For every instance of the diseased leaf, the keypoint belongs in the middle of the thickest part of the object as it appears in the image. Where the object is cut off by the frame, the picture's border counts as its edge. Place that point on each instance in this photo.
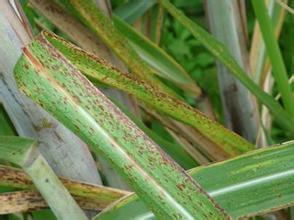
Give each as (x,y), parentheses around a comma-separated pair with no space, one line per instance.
(100,71)
(23,152)
(103,27)
(78,33)
(95,197)
(63,150)
(220,52)
(23,201)
(45,75)
(28,201)
(242,189)
(164,64)
(256,183)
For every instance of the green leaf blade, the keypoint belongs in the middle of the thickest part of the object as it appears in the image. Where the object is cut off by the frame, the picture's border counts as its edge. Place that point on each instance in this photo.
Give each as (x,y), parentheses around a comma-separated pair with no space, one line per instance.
(24,153)
(256,183)
(133,9)
(103,27)
(220,52)
(164,64)
(274,53)
(50,80)
(100,71)
(16,150)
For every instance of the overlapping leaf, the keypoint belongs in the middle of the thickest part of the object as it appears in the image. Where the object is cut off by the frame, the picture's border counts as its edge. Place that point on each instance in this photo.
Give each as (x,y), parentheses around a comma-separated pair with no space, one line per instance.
(133,9)
(45,75)
(103,27)
(101,71)
(23,152)
(157,58)
(256,183)
(96,196)
(220,52)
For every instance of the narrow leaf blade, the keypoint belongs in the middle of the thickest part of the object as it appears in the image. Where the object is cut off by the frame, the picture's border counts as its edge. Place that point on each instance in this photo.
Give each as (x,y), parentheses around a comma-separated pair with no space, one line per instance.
(164,64)
(100,71)
(24,153)
(43,74)
(220,52)
(255,183)
(133,9)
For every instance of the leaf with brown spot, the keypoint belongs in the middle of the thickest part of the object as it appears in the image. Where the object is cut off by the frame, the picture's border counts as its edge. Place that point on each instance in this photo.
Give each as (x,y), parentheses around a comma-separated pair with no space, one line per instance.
(96,120)
(98,70)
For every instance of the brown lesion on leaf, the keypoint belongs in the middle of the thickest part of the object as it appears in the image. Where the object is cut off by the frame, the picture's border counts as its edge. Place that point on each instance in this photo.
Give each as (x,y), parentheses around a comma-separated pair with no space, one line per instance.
(32,59)
(45,124)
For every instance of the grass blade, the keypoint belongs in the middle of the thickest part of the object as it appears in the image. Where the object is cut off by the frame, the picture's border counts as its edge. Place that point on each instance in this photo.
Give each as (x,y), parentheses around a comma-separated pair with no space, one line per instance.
(83,37)
(175,150)
(95,194)
(100,71)
(164,64)
(66,23)
(219,51)
(22,201)
(104,28)
(28,201)
(274,53)
(254,172)
(63,150)
(242,189)
(23,152)
(44,74)
(258,59)
(6,127)
(133,9)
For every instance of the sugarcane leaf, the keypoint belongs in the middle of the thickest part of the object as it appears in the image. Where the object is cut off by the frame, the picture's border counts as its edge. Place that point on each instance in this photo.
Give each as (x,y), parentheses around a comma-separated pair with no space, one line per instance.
(259,62)
(100,71)
(80,35)
(222,54)
(156,57)
(275,55)
(258,182)
(162,64)
(17,150)
(63,150)
(24,153)
(243,178)
(22,201)
(98,195)
(133,9)
(175,150)
(27,201)
(103,27)
(6,127)
(47,77)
